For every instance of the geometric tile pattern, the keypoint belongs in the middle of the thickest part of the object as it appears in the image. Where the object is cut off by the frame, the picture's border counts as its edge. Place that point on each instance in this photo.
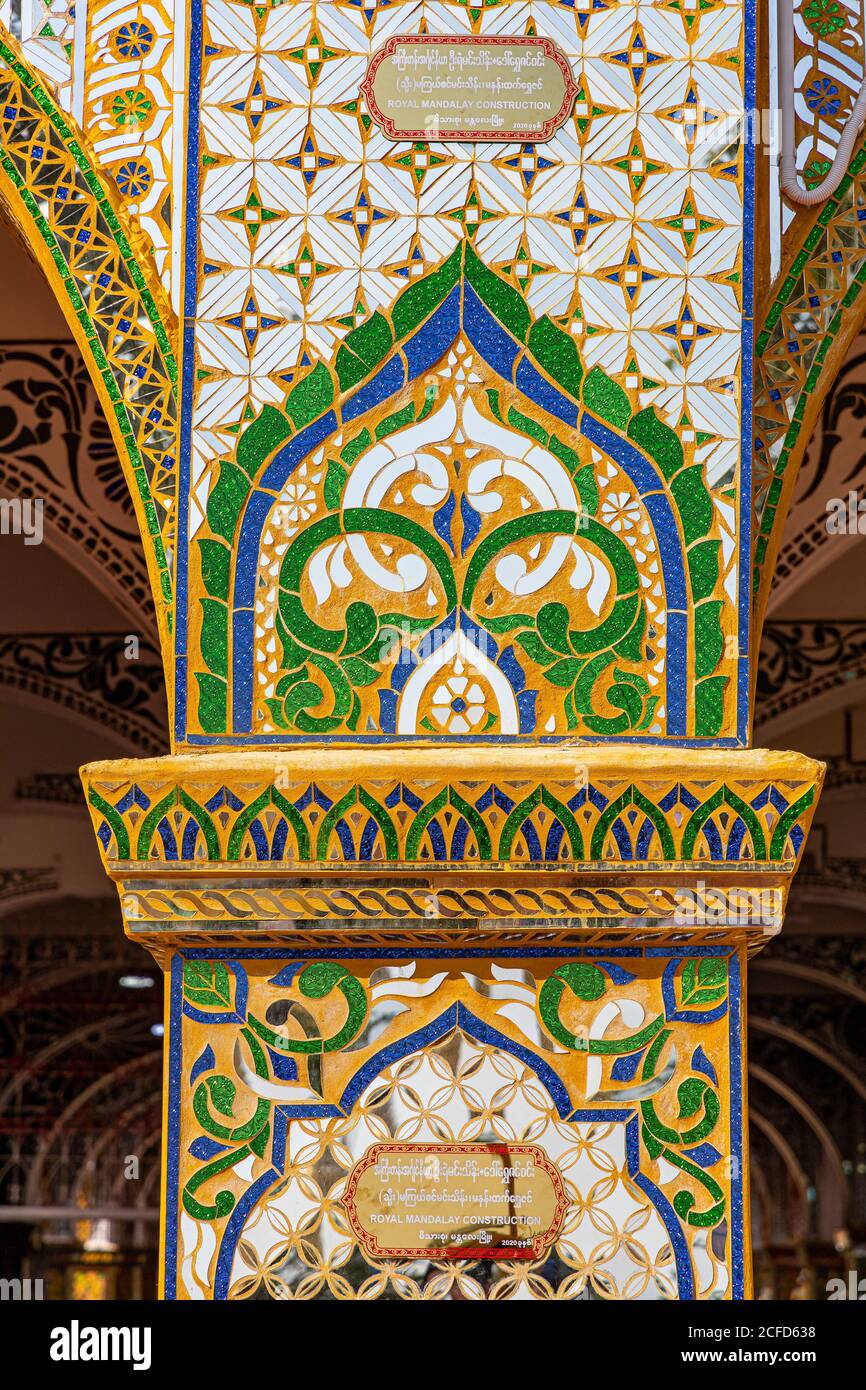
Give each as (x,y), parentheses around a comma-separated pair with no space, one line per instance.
(51,37)
(129,105)
(310,219)
(110,65)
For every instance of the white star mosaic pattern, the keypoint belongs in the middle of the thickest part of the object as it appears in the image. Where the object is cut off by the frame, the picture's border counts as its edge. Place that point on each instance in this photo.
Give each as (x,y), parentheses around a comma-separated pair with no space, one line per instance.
(627,224)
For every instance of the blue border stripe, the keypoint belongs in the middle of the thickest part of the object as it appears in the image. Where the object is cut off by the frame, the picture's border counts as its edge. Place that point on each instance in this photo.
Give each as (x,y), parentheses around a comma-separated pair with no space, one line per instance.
(736,1060)
(360,739)
(445,952)
(233,1228)
(750,21)
(679,1244)
(175,1072)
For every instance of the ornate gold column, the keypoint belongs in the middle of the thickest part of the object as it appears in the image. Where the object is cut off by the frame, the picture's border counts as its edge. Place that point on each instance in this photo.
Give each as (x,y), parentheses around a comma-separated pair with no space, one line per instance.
(427,349)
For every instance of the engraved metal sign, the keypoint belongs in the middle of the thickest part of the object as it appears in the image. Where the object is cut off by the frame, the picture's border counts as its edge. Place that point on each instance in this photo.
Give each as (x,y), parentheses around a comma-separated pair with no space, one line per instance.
(455,1201)
(462,88)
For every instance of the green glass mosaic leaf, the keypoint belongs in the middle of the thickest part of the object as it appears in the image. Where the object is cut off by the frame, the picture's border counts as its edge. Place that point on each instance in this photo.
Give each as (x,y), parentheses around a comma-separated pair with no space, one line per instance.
(553,626)
(226,500)
(587,488)
(216,561)
(398,421)
(556,351)
(361,626)
(564,672)
(658,440)
(362,350)
(311,397)
(535,648)
(335,481)
(526,425)
(704,568)
(709,637)
(207,983)
(690,1093)
(694,503)
(214,635)
(356,446)
(261,438)
(710,706)
(222,1094)
(607,399)
(212,703)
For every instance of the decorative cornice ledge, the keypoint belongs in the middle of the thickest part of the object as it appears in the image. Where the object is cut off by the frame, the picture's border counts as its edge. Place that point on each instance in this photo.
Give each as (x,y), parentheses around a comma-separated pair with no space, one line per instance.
(229,845)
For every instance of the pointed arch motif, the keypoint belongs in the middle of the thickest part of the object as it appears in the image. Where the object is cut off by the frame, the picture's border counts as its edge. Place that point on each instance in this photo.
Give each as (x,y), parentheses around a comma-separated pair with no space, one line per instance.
(461,647)
(427,822)
(379,824)
(611,820)
(374,389)
(251,817)
(564,823)
(457,1016)
(747,822)
(198,825)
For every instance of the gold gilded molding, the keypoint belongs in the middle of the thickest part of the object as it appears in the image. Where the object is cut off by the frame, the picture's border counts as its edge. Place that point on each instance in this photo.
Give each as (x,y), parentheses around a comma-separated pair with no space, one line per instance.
(232,846)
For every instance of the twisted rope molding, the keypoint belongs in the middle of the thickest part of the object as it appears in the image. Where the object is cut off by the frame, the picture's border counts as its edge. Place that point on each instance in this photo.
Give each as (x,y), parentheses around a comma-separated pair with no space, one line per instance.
(287,903)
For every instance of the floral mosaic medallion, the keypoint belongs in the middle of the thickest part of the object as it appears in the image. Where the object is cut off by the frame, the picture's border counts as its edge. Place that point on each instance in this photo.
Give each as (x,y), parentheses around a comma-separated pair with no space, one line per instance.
(620,1075)
(460,531)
